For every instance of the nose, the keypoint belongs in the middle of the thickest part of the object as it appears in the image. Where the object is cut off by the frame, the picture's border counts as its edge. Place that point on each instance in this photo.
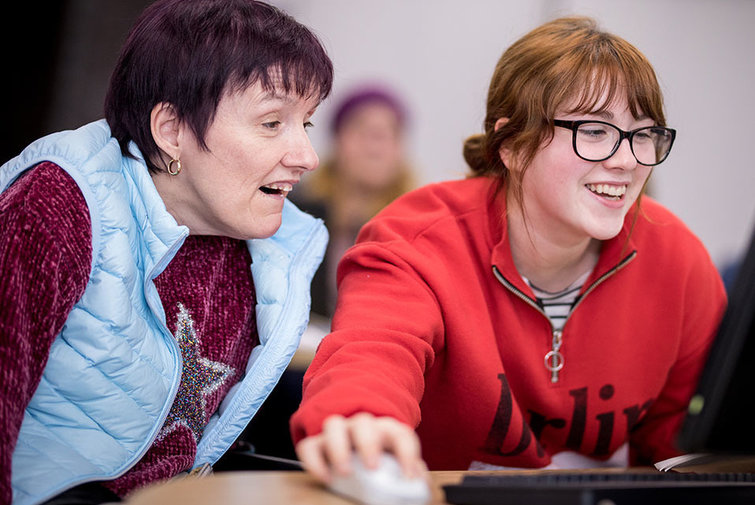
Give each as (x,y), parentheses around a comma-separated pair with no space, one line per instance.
(623,158)
(301,154)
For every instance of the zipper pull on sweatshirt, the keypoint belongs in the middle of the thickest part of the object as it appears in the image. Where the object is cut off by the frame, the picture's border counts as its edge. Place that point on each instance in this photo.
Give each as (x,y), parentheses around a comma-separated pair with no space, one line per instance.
(554,360)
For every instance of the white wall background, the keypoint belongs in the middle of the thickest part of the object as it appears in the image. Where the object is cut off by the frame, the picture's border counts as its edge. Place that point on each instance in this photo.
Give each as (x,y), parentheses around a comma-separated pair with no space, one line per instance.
(440,55)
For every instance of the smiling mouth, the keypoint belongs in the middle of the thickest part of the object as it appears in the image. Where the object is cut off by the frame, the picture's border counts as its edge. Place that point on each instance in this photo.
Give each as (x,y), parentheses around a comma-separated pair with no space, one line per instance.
(609,191)
(281,189)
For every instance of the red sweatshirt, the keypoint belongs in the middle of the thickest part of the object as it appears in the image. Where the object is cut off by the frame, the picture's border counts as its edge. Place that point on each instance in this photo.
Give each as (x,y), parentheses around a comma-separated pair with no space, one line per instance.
(435,327)
(45,257)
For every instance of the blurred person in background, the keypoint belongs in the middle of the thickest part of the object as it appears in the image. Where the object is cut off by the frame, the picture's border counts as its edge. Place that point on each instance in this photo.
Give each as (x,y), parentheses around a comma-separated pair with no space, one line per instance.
(366,169)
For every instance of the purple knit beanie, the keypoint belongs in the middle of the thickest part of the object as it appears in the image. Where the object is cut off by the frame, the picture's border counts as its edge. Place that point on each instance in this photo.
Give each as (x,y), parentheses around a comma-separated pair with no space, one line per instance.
(363,95)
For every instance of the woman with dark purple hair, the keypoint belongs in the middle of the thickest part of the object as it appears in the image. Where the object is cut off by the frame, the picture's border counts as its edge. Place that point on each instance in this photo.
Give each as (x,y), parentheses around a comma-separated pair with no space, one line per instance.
(155,280)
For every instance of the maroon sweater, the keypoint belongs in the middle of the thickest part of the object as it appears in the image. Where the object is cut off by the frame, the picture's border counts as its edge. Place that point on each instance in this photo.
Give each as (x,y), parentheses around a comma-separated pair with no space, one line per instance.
(45,258)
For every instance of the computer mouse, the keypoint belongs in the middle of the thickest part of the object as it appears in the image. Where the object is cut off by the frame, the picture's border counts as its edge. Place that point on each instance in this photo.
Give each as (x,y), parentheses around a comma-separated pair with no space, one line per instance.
(384,485)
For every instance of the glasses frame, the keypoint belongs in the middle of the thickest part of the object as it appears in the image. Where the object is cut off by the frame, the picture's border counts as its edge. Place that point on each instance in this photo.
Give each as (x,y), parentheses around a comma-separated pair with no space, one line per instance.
(574,125)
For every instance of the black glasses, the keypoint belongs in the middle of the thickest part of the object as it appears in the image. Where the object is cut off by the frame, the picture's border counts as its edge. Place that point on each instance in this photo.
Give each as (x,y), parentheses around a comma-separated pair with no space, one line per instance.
(598,141)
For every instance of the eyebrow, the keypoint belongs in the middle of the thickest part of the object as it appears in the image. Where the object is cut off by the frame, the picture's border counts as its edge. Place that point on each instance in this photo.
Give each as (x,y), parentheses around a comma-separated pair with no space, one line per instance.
(273,96)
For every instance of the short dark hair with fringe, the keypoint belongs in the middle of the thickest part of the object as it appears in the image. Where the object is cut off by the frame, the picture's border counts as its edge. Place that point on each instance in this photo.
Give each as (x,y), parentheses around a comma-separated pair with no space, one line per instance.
(188,53)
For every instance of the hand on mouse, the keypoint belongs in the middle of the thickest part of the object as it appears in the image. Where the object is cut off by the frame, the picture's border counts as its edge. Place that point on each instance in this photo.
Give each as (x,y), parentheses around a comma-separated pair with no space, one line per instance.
(369,436)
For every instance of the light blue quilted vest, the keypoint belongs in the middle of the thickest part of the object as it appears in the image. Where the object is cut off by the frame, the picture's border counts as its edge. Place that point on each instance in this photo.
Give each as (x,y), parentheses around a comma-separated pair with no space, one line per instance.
(115,345)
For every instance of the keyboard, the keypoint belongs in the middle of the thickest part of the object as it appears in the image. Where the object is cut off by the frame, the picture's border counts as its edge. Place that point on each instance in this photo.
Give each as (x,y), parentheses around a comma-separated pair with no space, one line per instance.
(603,488)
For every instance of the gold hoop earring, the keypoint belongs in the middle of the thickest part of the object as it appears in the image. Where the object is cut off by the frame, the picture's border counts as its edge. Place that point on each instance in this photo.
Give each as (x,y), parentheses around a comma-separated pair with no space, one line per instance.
(174,167)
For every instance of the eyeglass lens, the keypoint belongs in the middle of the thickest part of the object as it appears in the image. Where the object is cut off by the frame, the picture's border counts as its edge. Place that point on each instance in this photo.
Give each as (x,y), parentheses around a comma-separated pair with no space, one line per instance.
(598,141)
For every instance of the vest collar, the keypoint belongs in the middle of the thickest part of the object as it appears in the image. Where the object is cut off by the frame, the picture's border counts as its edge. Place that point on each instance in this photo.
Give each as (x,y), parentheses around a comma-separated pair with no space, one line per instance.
(163,236)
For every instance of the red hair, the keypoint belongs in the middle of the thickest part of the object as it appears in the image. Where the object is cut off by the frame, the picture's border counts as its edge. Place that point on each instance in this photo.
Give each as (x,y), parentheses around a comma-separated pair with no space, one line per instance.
(568,61)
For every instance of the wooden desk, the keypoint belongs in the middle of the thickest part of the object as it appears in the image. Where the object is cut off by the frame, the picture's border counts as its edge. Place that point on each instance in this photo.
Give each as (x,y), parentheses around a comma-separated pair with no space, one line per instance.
(269,488)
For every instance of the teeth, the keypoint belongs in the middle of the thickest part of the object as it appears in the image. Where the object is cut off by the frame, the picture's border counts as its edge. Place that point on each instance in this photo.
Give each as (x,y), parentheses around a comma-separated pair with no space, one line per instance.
(282,187)
(608,189)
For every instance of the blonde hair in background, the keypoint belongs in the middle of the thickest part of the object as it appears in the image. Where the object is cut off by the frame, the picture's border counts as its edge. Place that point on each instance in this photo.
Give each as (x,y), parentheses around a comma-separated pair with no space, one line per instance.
(323,184)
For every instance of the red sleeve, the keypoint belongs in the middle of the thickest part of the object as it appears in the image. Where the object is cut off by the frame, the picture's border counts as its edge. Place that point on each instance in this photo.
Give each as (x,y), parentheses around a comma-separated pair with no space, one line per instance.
(375,358)
(45,259)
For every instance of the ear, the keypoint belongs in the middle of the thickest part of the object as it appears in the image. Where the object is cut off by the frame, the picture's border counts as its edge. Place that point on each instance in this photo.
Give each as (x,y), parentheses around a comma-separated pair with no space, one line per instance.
(165,126)
(504,152)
